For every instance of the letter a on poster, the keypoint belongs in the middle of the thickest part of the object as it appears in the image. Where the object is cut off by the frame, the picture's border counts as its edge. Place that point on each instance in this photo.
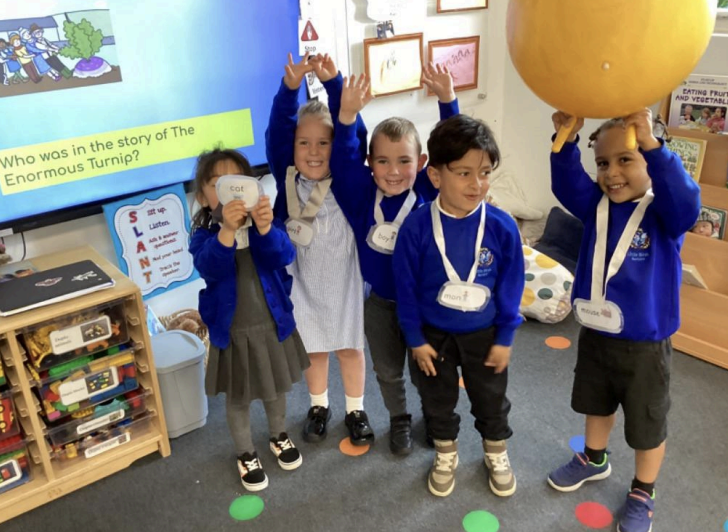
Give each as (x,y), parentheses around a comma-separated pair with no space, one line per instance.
(151,235)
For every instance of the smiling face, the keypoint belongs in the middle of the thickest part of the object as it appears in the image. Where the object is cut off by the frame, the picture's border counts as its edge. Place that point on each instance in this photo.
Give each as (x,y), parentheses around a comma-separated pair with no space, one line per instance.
(395,164)
(621,173)
(464,183)
(312,149)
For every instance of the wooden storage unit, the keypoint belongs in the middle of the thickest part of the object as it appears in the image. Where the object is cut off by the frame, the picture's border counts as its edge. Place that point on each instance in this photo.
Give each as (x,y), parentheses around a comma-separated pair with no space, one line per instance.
(53,478)
(704,313)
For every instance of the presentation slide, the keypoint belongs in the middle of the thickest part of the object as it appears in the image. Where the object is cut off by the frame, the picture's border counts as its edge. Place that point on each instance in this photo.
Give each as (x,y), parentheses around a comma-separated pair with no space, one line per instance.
(102,98)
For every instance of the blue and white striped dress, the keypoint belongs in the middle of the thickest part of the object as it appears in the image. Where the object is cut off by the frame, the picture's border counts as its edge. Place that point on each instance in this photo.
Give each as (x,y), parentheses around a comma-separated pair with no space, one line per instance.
(328,289)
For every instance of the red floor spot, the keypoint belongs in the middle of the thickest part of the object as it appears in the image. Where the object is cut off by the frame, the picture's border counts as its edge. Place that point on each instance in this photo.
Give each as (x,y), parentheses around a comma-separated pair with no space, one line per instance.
(461,382)
(348,449)
(594,515)
(558,342)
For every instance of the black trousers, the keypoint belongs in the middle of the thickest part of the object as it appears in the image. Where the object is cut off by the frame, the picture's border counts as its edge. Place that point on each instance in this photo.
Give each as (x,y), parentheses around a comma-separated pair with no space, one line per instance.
(486,389)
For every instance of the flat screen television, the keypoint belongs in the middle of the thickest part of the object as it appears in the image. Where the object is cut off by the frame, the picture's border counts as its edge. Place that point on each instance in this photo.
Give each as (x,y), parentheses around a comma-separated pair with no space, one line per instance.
(100,99)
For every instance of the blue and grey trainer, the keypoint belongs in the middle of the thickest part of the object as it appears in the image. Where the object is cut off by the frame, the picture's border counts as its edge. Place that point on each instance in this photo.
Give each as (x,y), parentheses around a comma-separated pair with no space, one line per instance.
(637,512)
(570,476)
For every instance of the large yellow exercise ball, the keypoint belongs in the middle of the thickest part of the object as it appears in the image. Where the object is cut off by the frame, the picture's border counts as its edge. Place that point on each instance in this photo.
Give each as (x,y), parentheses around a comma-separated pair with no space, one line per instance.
(607,58)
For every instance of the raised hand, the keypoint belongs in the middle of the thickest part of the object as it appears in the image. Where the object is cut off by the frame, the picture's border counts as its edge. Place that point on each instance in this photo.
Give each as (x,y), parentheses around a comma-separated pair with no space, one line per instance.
(439,80)
(354,97)
(642,122)
(424,355)
(561,119)
(262,215)
(324,67)
(296,71)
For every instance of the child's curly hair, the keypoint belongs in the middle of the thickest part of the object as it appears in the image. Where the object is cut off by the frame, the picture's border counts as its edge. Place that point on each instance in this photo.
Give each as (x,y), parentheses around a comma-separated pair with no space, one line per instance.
(614,122)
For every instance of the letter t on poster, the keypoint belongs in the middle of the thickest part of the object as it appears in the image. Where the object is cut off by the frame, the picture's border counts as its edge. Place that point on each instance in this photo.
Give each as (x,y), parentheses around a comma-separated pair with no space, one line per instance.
(151,236)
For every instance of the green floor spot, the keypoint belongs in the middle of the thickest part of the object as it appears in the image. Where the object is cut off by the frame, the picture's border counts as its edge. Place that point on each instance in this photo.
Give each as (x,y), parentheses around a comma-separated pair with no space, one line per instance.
(480,521)
(246,507)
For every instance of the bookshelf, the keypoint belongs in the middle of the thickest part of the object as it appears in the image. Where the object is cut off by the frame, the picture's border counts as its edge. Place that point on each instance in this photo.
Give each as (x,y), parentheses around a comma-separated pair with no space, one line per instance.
(704,313)
(50,477)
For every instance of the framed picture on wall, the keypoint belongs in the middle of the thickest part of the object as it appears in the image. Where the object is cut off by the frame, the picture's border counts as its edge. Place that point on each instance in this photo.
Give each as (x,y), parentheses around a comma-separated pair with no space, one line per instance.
(460,56)
(447,6)
(691,152)
(394,65)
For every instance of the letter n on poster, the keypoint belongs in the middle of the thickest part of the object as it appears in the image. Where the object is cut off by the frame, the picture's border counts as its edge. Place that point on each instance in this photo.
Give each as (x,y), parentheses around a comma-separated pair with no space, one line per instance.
(151,237)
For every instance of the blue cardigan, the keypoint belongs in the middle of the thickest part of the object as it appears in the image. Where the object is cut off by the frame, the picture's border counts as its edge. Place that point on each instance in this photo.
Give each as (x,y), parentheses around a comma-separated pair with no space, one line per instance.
(216,265)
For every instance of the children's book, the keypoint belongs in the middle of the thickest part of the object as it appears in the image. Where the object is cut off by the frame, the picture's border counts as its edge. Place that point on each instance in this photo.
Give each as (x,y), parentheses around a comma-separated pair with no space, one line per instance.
(711,222)
(51,286)
(700,102)
(691,276)
(691,152)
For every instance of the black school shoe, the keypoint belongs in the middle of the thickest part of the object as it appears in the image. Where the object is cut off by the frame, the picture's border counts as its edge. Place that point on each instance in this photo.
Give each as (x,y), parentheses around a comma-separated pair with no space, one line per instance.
(314,430)
(400,434)
(360,433)
(251,472)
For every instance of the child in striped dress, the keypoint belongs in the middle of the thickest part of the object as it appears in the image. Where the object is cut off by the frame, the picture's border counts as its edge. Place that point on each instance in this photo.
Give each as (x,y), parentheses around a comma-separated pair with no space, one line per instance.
(328,293)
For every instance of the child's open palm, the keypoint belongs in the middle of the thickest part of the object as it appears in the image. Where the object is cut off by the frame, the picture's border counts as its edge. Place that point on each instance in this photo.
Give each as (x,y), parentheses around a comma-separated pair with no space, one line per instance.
(354,97)
(324,67)
(296,71)
(424,355)
(262,215)
(439,80)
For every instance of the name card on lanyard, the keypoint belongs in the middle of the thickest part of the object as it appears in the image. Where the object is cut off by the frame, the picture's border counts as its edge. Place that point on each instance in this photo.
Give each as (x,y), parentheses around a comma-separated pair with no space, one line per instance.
(457,294)
(383,236)
(598,313)
(299,226)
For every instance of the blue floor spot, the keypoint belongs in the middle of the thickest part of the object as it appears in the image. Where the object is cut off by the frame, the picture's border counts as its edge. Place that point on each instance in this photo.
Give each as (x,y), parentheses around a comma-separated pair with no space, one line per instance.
(577,445)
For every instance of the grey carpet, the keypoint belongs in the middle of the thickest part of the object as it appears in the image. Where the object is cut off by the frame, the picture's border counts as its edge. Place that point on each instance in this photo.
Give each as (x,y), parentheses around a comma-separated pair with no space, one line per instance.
(193,488)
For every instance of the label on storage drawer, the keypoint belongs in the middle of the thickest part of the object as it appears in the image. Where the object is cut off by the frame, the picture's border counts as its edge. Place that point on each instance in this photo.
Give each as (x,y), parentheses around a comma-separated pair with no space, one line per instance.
(9,473)
(100,422)
(81,389)
(80,335)
(107,445)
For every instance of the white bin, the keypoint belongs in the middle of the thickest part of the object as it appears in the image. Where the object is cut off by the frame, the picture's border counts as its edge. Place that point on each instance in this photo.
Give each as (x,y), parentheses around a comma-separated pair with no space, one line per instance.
(179,357)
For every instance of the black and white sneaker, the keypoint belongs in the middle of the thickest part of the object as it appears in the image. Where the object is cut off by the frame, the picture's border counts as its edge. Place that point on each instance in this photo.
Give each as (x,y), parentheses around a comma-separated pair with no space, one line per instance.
(289,457)
(251,472)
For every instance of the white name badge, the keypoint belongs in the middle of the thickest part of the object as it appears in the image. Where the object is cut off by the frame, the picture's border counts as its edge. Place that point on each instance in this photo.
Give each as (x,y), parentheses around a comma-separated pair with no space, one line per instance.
(382,237)
(468,297)
(238,187)
(599,315)
(300,232)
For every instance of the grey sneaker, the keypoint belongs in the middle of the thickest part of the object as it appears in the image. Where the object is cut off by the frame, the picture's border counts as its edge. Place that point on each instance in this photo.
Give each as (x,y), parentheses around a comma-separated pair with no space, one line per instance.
(502,480)
(441,480)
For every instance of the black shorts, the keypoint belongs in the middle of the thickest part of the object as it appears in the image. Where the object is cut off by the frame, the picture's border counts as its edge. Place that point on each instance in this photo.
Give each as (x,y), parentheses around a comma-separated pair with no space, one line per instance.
(611,372)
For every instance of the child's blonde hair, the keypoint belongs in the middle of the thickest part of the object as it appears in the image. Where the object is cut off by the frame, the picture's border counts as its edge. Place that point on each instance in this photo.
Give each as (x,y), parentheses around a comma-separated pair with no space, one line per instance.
(395,129)
(316,109)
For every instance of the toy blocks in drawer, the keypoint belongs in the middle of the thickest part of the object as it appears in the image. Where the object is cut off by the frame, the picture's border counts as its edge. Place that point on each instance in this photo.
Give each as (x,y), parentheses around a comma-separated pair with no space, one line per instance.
(89,384)
(100,442)
(86,332)
(99,417)
(9,425)
(14,466)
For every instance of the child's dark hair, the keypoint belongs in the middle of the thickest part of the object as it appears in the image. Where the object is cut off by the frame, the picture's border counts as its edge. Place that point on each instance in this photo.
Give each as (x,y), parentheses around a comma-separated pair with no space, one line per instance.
(615,122)
(203,173)
(453,138)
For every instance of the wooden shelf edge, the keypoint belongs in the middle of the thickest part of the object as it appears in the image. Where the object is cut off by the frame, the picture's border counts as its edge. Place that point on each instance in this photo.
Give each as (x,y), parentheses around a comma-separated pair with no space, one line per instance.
(39,491)
(700,349)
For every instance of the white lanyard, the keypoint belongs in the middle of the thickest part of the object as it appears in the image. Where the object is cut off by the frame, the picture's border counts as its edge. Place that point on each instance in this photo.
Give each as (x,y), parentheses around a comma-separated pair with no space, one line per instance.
(599,290)
(440,241)
(403,211)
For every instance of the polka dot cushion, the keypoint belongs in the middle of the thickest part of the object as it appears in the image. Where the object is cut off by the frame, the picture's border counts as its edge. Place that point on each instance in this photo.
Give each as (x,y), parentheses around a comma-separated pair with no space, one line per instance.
(547,296)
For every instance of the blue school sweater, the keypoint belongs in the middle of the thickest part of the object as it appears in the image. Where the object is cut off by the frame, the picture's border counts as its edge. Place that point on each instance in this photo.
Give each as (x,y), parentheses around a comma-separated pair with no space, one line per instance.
(215,262)
(355,192)
(419,274)
(281,133)
(647,286)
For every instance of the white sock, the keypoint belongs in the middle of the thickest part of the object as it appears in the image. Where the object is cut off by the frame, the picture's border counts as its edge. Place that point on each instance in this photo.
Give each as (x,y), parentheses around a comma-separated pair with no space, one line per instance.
(354,403)
(321,399)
